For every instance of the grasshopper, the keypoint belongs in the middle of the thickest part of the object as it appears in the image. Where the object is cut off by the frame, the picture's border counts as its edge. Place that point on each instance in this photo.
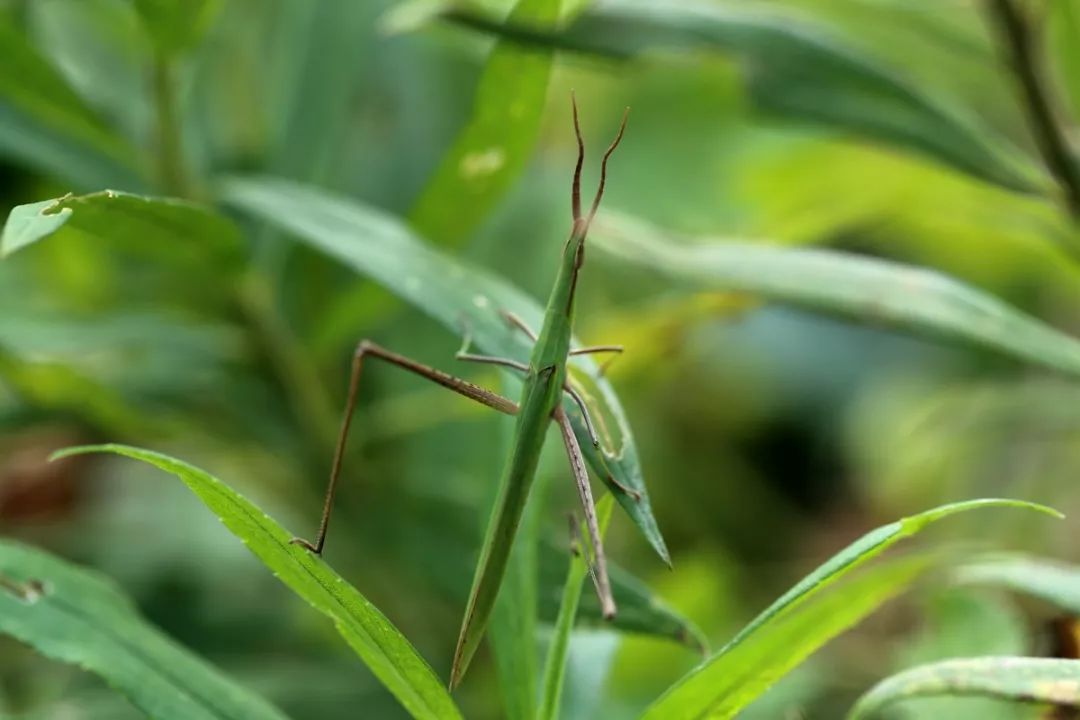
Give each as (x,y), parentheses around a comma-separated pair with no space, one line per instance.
(545,384)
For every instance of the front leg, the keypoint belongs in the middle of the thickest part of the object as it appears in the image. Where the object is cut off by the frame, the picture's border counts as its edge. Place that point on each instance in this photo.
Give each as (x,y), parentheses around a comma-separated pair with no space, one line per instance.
(365,348)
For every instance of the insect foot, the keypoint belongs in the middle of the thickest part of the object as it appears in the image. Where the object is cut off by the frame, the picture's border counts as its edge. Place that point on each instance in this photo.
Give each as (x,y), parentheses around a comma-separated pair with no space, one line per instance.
(306,545)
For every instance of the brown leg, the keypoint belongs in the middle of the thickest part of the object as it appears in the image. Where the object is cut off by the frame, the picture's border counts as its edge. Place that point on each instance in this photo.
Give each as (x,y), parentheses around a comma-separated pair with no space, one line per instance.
(590,350)
(615,351)
(365,348)
(522,367)
(598,566)
(520,324)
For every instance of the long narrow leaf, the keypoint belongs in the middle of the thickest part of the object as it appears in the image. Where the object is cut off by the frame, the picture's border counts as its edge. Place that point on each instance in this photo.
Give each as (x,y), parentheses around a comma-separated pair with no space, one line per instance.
(176,25)
(498,140)
(727,682)
(863,288)
(1056,583)
(1046,681)
(794,68)
(555,667)
(389,655)
(640,609)
(45,124)
(176,228)
(738,676)
(442,522)
(512,632)
(453,293)
(76,616)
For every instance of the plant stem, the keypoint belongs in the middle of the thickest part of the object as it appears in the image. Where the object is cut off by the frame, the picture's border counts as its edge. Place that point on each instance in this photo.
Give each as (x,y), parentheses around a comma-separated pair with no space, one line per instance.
(298,377)
(1016,38)
(170,153)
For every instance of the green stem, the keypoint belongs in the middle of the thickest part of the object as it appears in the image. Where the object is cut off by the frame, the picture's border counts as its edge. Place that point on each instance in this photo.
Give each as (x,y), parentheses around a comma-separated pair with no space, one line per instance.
(555,666)
(299,378)
(170,152)
(1018,41)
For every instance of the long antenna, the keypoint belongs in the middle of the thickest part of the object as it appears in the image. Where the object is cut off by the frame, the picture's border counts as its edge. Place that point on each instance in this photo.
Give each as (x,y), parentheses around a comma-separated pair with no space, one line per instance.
(575,193)
(603,163)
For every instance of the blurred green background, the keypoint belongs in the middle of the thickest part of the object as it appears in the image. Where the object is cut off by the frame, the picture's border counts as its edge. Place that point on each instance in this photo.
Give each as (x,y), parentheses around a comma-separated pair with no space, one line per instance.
(770,436)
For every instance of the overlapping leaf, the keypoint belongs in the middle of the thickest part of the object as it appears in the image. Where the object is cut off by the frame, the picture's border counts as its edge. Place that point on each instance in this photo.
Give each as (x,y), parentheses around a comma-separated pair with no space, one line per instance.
(46,125)
(1045,681)
(177,228)
(176,25)
(555,667)
(863,288)
(797,624)
(491,150)
(793,68)
(389,655)
(1054,582)
(455,294)
(76,616)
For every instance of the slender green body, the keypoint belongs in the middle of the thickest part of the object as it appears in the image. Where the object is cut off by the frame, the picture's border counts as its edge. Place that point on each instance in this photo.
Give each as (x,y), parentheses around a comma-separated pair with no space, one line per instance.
(542,393)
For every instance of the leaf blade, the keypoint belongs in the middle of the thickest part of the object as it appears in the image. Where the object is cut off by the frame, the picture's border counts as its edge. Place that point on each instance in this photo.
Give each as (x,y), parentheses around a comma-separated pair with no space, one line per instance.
(372,636)
(175,25)
(1019,679)
(750,668)
(46,125)
(498,139)
(701,691)
(111,215)
(81,618)
(795,69)
(558,652)
(848,285)
(1056,583)
(450,291)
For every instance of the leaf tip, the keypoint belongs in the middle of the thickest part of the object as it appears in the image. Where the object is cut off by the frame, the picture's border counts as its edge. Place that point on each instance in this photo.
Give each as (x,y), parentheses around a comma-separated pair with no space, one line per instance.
(79,450)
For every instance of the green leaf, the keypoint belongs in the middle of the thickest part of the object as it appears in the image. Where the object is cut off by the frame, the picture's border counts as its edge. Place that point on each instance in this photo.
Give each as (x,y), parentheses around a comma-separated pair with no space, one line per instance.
(1056,583)
(181,228)
(494,146)
(176,25)
(640,609)
(730,681)
(76,616)
(786,632)
(1048,681)
(555,667)
(512,631)
(795,69)
(954,622)
(45,124)
(453,293)
(442,521)
(1062,23)
(389,655)
(866,289)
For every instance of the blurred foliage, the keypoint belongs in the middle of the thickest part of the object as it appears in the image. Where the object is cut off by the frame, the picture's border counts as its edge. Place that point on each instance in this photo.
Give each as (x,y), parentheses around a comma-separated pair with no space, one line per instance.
(769,435)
